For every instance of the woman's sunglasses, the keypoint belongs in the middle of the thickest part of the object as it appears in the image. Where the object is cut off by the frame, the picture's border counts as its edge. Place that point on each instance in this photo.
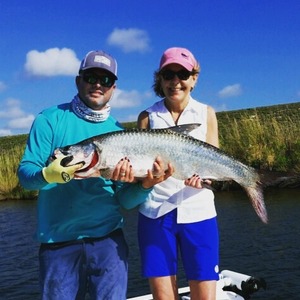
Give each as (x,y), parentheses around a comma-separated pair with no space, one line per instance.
(169,74)
(103,80)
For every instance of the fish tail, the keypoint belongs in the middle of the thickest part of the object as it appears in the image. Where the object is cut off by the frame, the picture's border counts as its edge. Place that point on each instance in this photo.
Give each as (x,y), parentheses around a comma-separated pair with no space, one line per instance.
(255,194)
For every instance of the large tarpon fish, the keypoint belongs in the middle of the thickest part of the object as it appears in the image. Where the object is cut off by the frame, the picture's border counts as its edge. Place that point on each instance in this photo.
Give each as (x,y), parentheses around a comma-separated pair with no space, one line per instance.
(188,156)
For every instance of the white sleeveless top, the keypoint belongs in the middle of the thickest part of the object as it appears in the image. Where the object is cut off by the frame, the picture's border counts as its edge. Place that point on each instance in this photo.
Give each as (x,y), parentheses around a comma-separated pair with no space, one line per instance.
(193,205)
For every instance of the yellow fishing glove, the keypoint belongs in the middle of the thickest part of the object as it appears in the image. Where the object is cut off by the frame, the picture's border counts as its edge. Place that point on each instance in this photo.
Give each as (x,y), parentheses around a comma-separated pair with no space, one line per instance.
(56,173)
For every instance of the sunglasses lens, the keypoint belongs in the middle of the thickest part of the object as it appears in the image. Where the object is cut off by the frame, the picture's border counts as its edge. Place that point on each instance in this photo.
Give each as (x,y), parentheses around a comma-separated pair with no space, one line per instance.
(183,74)
(89,79)
(169,75)
(104,80)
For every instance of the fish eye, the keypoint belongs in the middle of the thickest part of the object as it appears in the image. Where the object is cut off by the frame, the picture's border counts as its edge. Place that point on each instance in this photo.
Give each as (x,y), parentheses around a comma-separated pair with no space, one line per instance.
(65,151)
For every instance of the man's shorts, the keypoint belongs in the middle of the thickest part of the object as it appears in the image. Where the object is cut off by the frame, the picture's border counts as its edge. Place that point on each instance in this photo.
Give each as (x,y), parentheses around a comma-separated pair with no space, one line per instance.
(94,266)
(159,240)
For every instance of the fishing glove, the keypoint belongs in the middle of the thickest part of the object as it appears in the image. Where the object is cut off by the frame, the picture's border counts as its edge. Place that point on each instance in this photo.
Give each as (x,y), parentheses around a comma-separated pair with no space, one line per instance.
(57,173)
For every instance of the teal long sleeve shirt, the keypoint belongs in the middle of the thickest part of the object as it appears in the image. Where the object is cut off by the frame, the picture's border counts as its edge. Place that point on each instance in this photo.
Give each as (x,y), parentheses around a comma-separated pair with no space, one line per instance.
(80,208)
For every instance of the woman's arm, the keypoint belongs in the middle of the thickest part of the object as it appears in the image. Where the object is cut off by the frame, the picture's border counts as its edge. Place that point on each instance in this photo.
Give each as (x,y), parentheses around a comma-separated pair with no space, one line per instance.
(212,134)
(143,120)
(212,137)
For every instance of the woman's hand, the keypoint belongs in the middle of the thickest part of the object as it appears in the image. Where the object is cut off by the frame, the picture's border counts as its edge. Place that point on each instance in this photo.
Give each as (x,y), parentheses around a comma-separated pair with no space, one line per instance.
(196,182)
(160,173)
(123,171)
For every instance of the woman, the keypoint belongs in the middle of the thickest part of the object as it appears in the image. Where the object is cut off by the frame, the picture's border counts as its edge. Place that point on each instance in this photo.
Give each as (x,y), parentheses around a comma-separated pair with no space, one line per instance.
(190,222)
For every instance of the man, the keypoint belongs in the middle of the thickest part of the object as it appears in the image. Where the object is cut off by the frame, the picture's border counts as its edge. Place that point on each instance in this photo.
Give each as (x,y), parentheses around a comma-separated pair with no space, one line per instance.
(83,250)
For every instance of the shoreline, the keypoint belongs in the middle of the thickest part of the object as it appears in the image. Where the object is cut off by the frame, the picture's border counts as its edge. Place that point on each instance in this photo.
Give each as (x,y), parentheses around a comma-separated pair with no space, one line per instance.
(277,179)
(269,179)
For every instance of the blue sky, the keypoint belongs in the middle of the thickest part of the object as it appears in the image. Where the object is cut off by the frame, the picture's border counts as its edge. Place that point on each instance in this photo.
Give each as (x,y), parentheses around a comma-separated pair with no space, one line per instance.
(249,52)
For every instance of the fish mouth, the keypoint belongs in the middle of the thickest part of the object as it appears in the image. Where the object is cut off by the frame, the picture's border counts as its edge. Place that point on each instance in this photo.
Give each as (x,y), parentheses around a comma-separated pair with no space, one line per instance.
(85,169)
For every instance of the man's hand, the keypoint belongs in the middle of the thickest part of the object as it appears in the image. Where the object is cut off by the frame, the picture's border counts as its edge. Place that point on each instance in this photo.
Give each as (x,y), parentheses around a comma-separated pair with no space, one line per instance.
(56,173)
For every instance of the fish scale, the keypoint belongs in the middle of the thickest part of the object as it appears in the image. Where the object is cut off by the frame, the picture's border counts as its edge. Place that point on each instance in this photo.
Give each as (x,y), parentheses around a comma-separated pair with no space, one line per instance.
(188,156)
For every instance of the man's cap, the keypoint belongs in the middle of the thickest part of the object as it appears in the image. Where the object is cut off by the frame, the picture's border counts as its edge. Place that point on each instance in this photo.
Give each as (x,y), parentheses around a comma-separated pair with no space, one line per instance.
(179,56)
(99,59)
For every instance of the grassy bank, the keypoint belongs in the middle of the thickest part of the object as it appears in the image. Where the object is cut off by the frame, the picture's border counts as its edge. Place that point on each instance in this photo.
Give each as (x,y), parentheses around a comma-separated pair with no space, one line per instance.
(9,161)
(266,138)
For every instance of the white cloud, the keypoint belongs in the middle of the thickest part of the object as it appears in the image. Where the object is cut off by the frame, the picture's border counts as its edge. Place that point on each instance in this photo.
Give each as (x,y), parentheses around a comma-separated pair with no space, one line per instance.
(2,86)
(221,107)
(129,118)
(230,91)
(52,62)
(11,109)
(125,99)
(21,123)
(5,132)
(130,40)
(16,118)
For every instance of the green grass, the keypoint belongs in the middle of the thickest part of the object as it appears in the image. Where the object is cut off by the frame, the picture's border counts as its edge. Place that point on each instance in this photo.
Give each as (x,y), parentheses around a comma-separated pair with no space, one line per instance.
(266,138)
(10,155)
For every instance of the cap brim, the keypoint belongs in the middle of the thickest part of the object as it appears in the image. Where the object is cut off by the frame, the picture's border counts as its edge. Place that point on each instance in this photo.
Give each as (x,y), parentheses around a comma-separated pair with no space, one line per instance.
(88,68)
(186,65)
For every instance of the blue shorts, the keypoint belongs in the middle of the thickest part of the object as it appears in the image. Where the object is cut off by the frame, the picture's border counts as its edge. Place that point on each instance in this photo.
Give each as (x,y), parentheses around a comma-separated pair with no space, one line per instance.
(160,239)
(97,267)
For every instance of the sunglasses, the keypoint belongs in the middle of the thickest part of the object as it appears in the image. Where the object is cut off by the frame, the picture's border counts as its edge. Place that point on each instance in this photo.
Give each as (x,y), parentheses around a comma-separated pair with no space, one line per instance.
(182,74)
(103,80)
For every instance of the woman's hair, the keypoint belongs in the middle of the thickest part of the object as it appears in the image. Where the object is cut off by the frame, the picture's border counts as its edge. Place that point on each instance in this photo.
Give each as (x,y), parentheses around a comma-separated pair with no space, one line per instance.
(157,81)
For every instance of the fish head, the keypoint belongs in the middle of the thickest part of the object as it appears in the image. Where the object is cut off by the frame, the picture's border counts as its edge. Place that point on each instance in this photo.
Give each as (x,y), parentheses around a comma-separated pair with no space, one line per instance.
(87,154)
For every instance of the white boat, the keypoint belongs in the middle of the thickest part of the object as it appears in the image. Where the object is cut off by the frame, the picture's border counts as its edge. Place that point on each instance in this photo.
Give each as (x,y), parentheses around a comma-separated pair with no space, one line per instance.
(230,286)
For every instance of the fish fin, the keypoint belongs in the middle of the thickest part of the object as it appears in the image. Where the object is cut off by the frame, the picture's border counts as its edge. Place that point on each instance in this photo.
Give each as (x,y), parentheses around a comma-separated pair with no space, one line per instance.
(255,194)
(208,186)
(185,128)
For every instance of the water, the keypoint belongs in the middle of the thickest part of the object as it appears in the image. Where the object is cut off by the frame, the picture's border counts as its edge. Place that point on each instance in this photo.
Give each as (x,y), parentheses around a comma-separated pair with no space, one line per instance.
(247,245)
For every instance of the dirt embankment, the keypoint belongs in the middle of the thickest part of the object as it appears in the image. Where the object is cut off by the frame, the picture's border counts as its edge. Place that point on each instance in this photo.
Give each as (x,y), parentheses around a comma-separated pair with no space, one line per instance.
(269,179)
(280,179)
